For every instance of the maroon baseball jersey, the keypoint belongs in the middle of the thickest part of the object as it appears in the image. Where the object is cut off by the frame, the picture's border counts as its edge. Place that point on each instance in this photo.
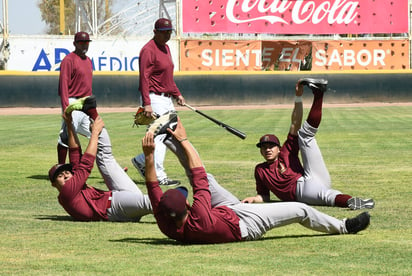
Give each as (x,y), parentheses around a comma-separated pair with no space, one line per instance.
(281,176)
(81,201)
(76,75)
(204,223)
(156,71)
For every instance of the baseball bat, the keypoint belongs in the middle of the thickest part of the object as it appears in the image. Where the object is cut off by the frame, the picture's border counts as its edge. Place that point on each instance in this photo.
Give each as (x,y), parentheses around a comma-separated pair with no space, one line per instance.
(232,130)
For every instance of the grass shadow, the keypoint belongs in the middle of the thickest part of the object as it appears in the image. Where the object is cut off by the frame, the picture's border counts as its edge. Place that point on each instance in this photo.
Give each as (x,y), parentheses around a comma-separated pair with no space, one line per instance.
(69,218)
(151,241)
(167,241)
(46,177)
(295,236)
(56,218)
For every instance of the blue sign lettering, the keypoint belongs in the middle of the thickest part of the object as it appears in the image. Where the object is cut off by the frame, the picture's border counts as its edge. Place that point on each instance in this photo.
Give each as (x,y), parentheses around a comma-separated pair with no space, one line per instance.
(101,59)
(104,63)
(42,62)
(57,56)
(118,61)
(131,64)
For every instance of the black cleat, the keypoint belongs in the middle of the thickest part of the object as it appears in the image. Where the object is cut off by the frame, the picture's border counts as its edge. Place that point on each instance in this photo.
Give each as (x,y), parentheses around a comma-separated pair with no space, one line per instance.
(89,103)
(358,223)
(315,84)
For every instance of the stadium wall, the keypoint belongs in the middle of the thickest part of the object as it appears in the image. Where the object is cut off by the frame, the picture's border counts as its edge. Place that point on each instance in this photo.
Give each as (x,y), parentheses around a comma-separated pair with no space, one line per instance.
(34,89)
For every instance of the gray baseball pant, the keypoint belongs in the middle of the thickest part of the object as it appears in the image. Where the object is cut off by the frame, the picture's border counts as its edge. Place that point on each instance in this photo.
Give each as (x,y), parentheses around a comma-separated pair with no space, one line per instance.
(314,187)
(257,219)
(160,105)
(128,201)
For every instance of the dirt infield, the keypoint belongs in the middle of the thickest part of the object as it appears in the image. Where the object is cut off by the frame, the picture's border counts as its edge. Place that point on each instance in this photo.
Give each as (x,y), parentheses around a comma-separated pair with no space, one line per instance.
(38,111)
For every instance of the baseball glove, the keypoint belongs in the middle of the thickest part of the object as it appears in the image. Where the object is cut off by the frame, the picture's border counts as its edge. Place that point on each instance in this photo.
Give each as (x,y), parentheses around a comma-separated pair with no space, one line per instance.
(141,119)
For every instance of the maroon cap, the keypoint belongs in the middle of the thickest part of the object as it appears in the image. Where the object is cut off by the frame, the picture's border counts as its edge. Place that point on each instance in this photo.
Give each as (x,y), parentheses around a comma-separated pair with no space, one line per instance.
(56,169)
(81,36)
(163,24)
(173,203)
(268,138)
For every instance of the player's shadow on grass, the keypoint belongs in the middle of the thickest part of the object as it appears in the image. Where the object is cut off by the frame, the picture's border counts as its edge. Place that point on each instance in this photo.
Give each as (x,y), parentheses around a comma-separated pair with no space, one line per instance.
(166,241)
(69,218)
(295,236)
(46,177)
(56,218)
(151,241)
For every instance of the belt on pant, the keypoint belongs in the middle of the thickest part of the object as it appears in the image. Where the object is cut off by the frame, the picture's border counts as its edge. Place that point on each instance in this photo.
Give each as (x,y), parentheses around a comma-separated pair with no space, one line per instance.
(167,95)
(109,202)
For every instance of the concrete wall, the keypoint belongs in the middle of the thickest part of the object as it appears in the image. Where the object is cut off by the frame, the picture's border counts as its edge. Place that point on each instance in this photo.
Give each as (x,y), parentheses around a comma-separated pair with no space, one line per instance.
(218,88)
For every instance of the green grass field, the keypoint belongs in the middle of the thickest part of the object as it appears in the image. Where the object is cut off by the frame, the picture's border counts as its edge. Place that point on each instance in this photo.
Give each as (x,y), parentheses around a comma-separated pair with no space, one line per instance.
(368,151)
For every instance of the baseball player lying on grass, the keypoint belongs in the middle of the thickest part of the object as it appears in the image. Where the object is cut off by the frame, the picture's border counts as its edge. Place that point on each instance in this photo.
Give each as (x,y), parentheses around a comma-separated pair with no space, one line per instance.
(124,201)
(283,174)
(217,216)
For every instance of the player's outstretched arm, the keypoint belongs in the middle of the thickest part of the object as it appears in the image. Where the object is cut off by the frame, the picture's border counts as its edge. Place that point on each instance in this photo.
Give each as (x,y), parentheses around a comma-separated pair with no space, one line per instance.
(96,128)
(73,139)
(180,134)
(148,147)
(297,113)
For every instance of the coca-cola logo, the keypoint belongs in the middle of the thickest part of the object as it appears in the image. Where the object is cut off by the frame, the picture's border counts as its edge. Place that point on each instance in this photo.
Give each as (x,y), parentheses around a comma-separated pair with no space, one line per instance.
(301,11)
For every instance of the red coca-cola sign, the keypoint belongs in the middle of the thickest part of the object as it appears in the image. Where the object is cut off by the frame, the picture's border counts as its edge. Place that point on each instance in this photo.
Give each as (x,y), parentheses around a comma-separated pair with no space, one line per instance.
(295,16)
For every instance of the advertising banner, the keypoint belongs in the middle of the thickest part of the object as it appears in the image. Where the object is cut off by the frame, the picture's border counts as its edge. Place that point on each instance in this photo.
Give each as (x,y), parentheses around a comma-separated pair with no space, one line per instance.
(364,55)
(107,54)
(295,16)
(198,55)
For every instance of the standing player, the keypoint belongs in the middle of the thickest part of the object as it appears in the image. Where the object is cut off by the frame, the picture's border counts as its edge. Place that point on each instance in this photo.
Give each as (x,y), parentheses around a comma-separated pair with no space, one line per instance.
(283,174)
(158,88)
(124,201)
(217,216)
(75,82)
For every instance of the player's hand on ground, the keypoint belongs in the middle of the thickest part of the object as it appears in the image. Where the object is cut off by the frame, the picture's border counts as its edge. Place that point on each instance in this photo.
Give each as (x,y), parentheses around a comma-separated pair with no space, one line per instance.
(148,144)
(253,199)
(97,125)
(299,89)
(180,132)
(180,100)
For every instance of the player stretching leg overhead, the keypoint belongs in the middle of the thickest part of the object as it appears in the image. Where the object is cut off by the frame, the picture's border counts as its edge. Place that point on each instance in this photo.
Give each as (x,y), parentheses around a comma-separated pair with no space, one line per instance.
(282,172)
(123,202)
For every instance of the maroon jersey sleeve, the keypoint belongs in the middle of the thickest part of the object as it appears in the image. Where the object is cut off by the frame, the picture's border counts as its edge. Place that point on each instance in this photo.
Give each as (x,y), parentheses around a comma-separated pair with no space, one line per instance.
(147,60)
(261,188)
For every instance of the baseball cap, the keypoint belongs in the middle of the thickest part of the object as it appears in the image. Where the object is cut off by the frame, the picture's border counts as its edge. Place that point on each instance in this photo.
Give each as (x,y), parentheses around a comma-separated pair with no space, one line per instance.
(81,36)
(56,169)
(268,138)
(173,202)
(163,24)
